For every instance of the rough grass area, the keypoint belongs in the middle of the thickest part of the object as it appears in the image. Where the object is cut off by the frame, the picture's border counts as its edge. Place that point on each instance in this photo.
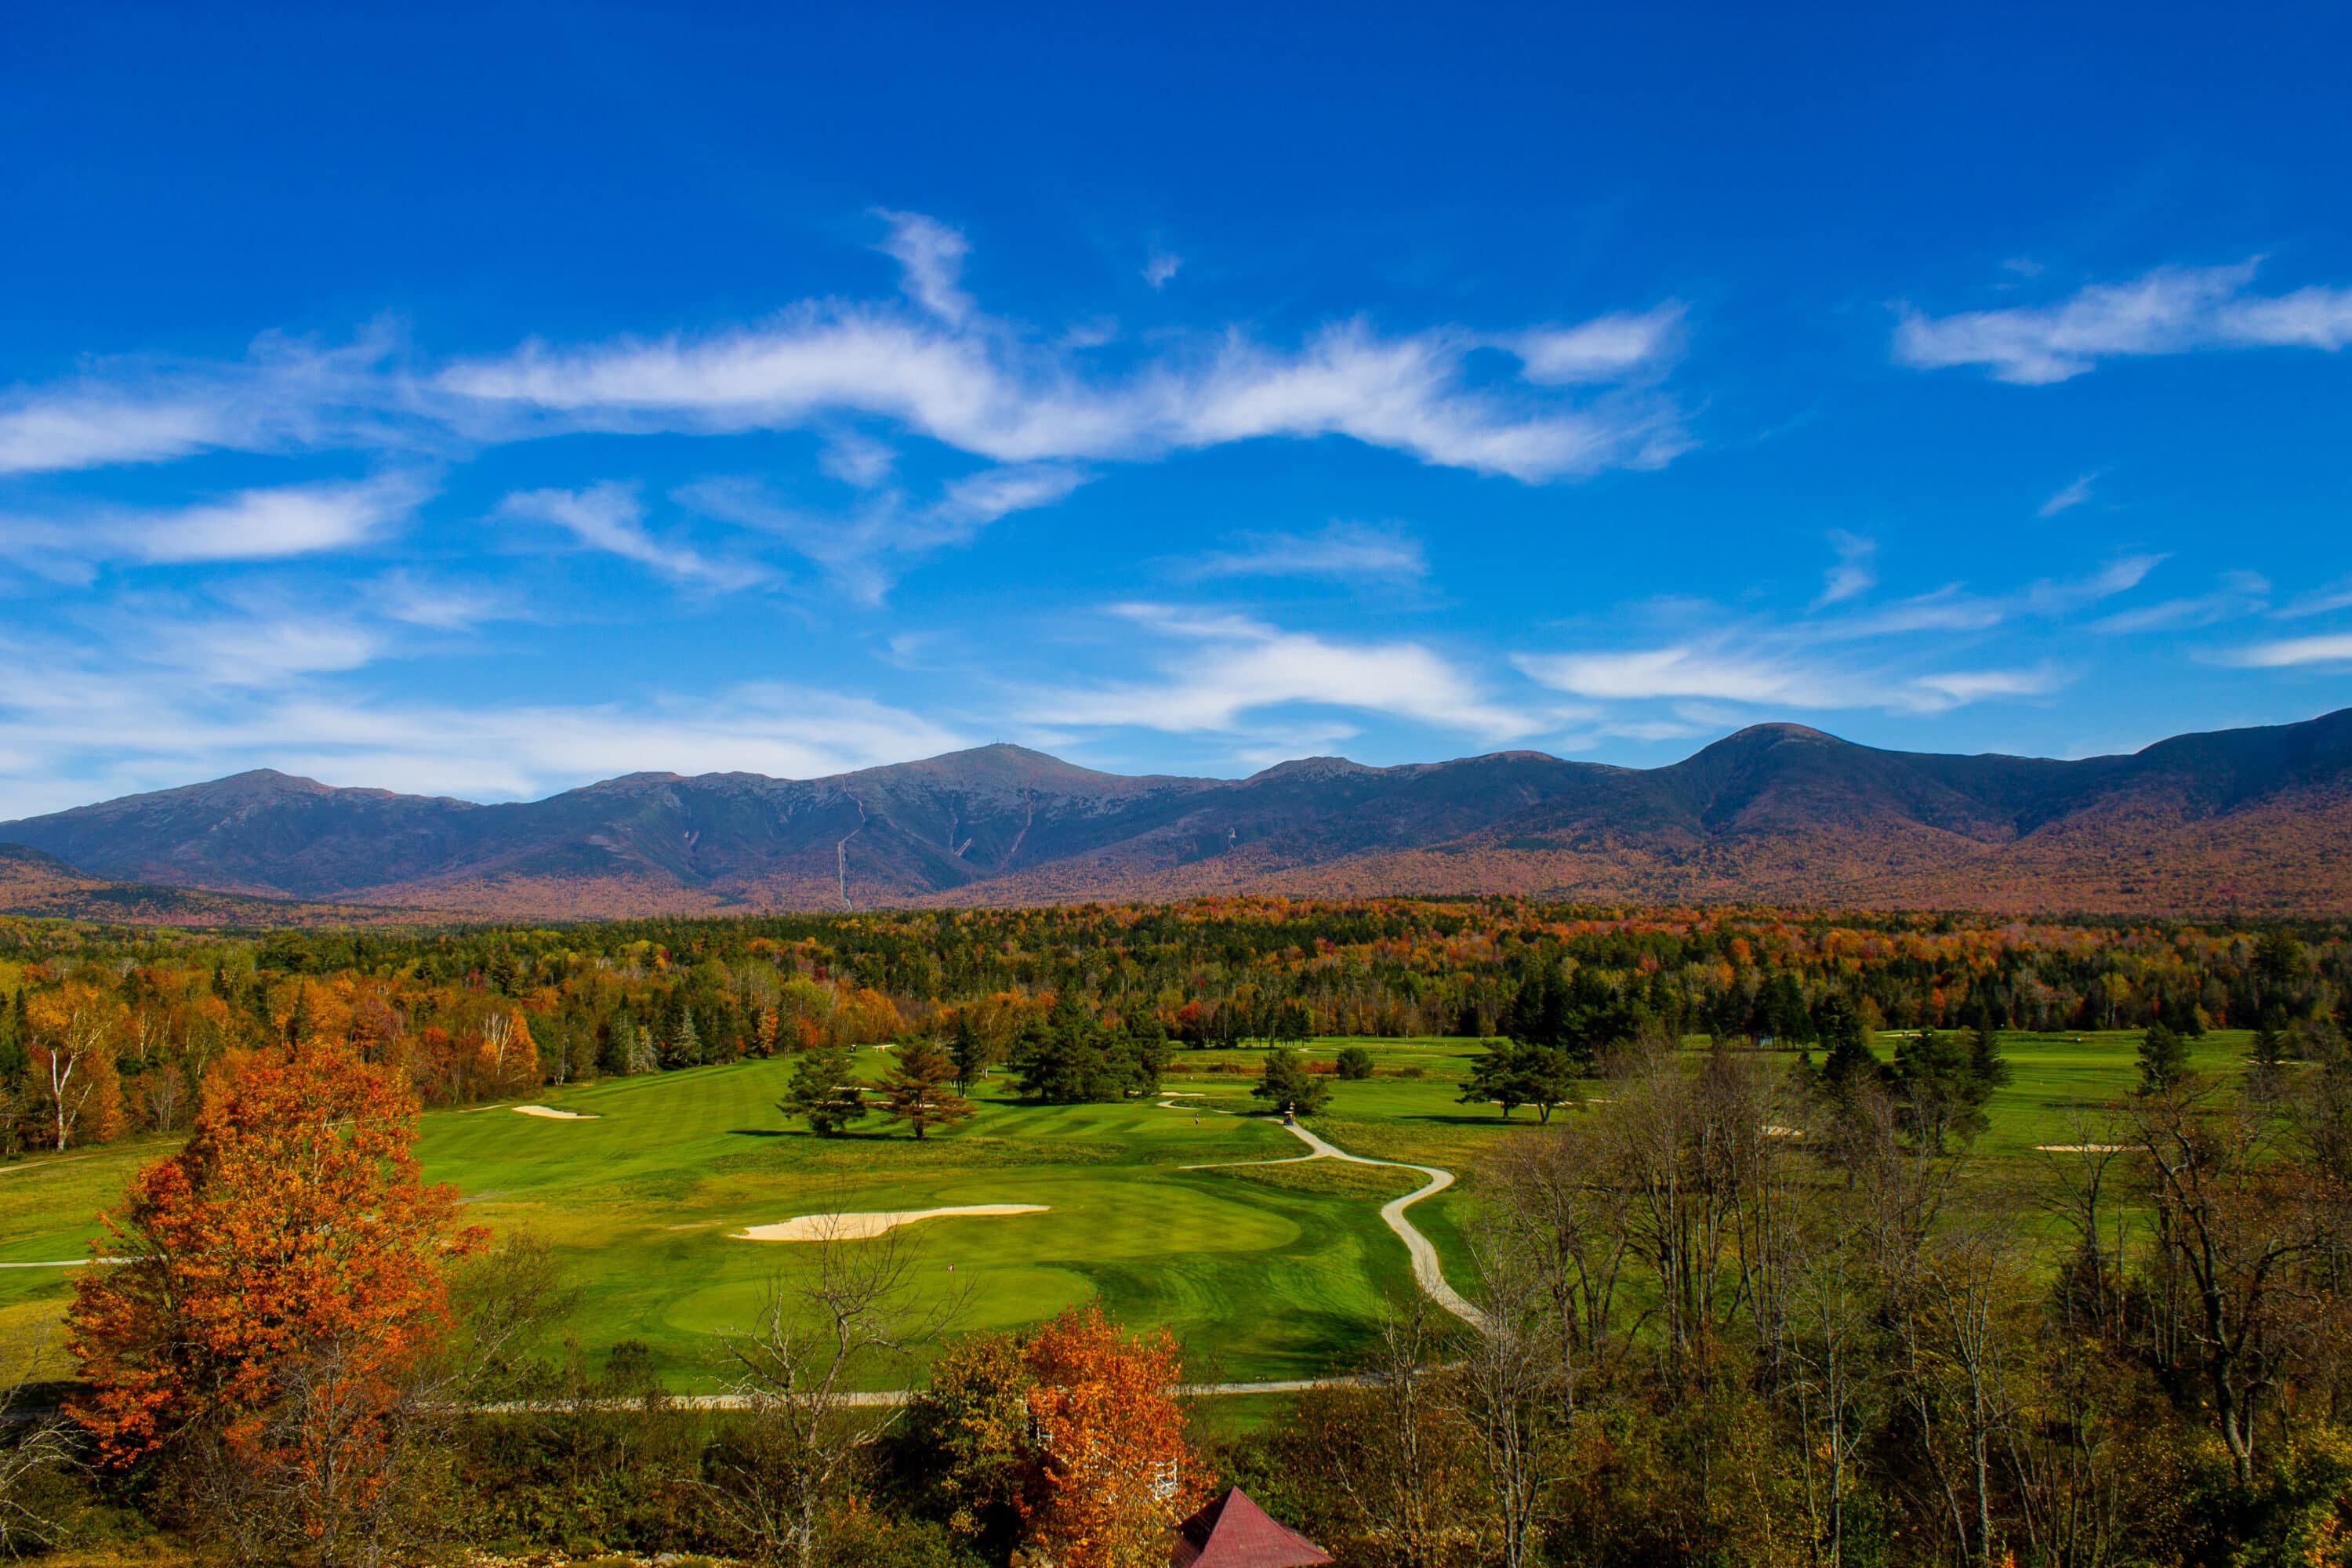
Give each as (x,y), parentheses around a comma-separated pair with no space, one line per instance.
(1266,1272)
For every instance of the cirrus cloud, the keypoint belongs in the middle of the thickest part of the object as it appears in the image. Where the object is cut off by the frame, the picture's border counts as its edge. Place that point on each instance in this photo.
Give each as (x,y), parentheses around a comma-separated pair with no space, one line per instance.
(2172,310)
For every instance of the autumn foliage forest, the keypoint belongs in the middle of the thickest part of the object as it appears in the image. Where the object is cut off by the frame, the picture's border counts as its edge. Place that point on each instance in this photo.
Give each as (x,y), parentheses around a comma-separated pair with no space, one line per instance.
(1750,1306)
(110,1031)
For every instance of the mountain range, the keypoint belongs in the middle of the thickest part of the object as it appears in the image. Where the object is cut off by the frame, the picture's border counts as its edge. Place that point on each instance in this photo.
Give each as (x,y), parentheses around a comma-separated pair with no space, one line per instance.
(2258,820)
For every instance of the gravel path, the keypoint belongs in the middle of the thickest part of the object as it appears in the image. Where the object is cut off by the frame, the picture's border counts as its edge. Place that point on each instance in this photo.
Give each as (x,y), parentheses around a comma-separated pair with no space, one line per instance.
(1426,1269)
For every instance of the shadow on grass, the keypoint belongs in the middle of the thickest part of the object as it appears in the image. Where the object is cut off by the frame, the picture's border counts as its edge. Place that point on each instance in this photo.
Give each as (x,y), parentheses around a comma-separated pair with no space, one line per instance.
(1464,1119)
(871,1135)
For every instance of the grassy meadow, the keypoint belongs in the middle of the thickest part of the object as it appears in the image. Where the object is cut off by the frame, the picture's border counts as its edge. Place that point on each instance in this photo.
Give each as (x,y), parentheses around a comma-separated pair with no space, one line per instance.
(1265,1272)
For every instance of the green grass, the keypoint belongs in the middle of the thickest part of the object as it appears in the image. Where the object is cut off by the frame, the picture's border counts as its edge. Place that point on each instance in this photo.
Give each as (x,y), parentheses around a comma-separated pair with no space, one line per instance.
(1266,1272)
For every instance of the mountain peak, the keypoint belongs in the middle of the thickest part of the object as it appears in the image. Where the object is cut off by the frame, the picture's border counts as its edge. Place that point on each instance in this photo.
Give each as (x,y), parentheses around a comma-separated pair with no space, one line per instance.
(1313,768)
(1771,813)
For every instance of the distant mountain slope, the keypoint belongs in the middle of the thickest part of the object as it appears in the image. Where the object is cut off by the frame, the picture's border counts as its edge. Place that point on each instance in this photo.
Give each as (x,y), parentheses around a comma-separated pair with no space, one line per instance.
(39,885)
(2257,819)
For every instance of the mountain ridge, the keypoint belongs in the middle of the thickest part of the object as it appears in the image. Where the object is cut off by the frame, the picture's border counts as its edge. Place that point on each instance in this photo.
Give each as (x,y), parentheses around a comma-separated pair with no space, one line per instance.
(2258,818)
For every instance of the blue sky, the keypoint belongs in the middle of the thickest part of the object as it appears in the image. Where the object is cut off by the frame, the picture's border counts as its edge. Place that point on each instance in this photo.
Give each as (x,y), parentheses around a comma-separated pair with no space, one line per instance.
(486,401)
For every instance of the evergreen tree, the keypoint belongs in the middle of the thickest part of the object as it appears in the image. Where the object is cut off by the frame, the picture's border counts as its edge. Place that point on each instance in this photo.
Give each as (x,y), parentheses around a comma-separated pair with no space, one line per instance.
(1061,1060)
(1139,1055)
(1848,1058)
(823,1091)
(683,1045)
(1986,1064)
(1354,1063)
(15,1029)
(2268,1047)
(1782,1008)
(1512,1074)
(1939,1094)
(640,1055)
(969,1053)
(1287,1085)
(1537,1012)
(2279,967)
(299,1023)
(2163,1060)
(915,1091)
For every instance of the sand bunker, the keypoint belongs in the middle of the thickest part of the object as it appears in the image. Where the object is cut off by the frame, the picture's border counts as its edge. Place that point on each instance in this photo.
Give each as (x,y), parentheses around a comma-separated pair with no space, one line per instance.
(552,1114)
(854,1226)
(2083,1148)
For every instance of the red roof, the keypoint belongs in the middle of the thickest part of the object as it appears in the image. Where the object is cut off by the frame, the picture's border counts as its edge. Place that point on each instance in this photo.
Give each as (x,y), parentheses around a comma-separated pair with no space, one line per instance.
(1234,1532)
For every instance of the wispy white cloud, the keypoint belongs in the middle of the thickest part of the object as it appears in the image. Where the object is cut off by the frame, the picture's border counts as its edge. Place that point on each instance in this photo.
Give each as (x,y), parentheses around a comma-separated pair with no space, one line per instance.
(2061,596)
(249,525)
(1226,672)
(2241,594)
(612,518)
(982,497)
(2317,601)
(1854,574)
(285,393)
(855,459)
(930,256)
(1584,398)
(2290,652)
(1605,349)
(1160,267)
(1343,550)
(2172,310)
(1750,672)
(440,605)
(1960,687)
(865,550)
(2068,497)
(1954,608)
(956,377)
(261,647)
(1894,658)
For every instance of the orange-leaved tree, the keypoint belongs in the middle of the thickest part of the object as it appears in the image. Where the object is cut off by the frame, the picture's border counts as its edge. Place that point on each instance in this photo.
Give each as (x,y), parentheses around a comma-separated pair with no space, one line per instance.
(1117,1469)
(282,1297)
(506,1058)
(76,1031)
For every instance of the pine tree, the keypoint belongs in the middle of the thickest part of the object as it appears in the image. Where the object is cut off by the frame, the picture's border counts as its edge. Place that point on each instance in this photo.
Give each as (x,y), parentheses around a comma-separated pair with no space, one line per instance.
(1140,1056)
(685,1041)
(15,1031)
(1287,1085)
(2163,1060)
(917,1093)
(1849,1057)
(1941,1094)
(971,1054)
(2269,1049)
(638,1053)
(823,1091)
(299,1023)
(1062,1060)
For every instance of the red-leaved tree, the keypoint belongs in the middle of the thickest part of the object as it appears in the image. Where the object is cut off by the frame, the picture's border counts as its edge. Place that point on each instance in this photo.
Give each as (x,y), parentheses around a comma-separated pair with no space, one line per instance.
(283,1296)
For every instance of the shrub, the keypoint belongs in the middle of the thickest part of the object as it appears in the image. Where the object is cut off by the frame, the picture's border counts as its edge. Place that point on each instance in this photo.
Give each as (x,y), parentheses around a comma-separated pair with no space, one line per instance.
(1354,1063)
